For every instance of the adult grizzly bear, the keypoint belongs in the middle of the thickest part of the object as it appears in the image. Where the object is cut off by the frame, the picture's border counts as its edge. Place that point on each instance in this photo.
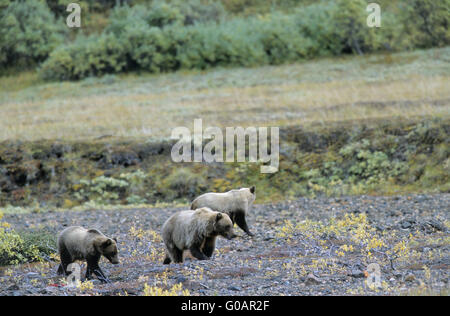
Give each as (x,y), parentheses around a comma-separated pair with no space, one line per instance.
(235,203)
(78,243)
(195,231)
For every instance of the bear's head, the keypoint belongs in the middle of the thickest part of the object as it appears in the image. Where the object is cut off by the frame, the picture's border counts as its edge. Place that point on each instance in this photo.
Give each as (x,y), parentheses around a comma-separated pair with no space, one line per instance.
(108,248)
(224,226)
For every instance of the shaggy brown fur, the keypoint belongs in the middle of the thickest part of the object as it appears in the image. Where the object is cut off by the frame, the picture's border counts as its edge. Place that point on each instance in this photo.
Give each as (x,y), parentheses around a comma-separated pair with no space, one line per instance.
(78,243)
(195,231)
(235,203)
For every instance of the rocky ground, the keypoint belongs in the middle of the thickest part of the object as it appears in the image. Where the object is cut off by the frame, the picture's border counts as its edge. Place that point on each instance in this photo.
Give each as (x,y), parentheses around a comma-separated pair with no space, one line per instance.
(304,247)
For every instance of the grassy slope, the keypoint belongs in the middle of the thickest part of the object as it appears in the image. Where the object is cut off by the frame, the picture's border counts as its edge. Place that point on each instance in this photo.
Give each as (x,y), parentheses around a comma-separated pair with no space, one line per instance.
(380,86)
(390,111)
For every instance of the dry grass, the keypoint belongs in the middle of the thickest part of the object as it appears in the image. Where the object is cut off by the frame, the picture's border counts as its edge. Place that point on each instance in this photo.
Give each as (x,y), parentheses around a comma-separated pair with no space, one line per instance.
(409,85)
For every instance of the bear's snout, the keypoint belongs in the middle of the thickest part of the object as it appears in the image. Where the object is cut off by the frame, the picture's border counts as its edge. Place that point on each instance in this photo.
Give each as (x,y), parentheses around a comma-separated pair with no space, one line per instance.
(113,260)
(231,236)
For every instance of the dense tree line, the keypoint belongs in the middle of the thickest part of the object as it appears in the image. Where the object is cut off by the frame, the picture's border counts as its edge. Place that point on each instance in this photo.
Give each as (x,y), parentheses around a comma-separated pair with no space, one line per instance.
(160,36)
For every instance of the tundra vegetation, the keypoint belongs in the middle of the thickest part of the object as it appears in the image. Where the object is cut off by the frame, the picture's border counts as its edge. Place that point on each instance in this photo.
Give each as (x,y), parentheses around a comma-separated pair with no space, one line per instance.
(361,114)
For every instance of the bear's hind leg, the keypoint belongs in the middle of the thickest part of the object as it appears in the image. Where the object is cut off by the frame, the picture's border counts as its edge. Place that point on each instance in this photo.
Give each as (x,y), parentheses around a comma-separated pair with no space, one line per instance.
(175,254)
(178,257)
(61,270)
(167,260)
(66,259)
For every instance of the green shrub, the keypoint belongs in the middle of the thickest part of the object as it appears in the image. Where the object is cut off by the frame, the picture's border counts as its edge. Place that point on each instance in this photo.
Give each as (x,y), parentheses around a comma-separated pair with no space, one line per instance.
(184,183)
(59,66)
(316,23)
(239,6)
(152,49)
(43,241)
(230,44)
(18,248)
(283,41)
(126,187)
(29,32)
(87,56)
(428,22)
(58,7)
(161,14)
(200,11)
(370,165)
(350,23)
(166,36)
(101,190)
(124,17)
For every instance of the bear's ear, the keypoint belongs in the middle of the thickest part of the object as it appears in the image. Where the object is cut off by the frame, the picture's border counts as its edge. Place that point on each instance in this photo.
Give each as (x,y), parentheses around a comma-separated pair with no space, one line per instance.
(219,217)
(107,243)
(252,190)
(115,239)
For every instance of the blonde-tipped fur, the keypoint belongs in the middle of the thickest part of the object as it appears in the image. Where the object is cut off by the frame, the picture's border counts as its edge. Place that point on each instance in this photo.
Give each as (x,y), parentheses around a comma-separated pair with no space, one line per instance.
(235,203)
(194,230)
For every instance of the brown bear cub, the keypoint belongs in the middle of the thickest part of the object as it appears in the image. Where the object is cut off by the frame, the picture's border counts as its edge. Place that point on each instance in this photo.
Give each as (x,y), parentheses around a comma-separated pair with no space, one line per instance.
(78,243)
(235,203)
(195,231)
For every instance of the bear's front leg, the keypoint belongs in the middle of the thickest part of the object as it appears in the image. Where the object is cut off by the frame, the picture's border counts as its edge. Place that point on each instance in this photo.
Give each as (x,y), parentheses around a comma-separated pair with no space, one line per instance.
(210,245)
(197,253)
(88,275)
(175,253)
(240,221)
(101,276)
(93,267)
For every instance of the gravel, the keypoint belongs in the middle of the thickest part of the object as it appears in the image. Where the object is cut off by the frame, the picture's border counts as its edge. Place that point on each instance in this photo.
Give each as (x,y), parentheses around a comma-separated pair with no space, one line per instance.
(262,265)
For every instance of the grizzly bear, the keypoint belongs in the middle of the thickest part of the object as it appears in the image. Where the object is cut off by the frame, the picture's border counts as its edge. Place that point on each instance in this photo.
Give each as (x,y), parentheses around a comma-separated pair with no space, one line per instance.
(195,231)
(78,243)
(235,203)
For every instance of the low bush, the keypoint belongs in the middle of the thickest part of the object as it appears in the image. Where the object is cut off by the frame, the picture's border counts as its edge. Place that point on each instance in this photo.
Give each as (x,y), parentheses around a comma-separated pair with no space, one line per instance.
(184,184)
(87,56)
(29,32)
(167,36)
(391,158)
(22,247)
(428,22)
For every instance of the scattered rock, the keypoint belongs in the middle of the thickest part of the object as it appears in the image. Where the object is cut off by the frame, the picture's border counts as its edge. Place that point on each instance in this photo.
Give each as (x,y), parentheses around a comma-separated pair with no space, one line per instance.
(234,288)
(13,287)
(433,225)
(407,223)
(261,267)
(311,279)
(125,158)
(356,273)
(410,277)
(180,279)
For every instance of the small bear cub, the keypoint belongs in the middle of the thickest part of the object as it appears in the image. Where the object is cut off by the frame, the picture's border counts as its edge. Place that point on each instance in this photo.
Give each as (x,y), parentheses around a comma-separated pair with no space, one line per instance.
(78,243)
(196,231)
